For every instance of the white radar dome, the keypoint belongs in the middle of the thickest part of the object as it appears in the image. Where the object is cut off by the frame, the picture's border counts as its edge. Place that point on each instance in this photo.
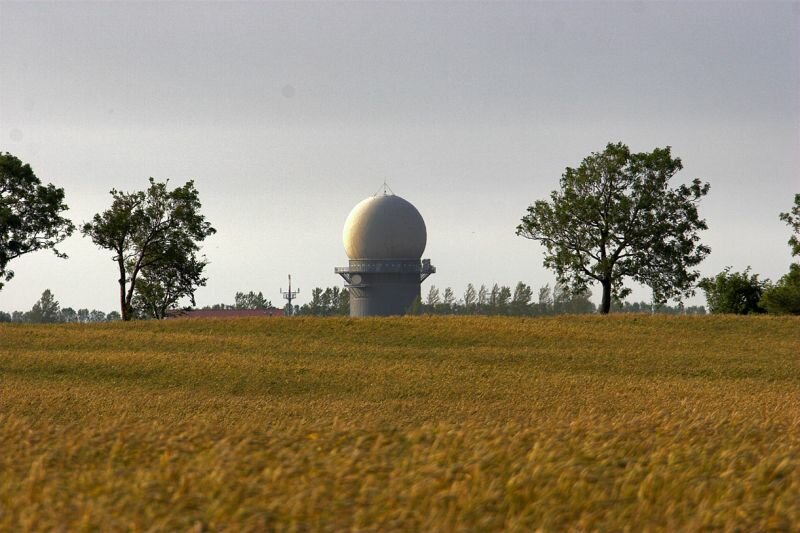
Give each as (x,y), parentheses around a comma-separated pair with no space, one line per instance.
(384,227)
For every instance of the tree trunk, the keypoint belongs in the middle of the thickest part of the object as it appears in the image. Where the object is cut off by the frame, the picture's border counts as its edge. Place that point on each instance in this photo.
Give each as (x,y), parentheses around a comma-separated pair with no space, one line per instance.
(124,308)
(605,305)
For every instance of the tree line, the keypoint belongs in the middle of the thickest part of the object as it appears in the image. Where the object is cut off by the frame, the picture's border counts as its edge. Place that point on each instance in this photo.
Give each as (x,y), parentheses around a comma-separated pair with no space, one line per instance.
(47,310)
(501,300)
(614,217)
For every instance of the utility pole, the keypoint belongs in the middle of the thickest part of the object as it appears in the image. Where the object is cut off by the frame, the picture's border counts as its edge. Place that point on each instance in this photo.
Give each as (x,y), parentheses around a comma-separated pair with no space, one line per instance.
(290,295)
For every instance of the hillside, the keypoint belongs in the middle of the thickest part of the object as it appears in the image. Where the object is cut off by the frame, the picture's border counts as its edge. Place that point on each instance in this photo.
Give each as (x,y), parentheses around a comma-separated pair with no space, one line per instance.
(421,423)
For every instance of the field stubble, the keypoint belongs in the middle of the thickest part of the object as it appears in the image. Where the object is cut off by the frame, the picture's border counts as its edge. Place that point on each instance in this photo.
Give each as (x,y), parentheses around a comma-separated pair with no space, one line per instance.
(420,423)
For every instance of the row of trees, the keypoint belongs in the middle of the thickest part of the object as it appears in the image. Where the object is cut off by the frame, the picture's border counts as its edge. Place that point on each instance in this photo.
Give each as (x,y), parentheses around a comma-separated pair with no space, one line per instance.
(654,308)
(501,300)
(331,301)
(47,310)
(245,300)
(614,218)
(497,300)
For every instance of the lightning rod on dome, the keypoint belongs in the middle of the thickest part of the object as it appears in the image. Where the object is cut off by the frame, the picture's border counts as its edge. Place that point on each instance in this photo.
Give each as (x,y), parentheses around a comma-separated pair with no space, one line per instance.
(385,188)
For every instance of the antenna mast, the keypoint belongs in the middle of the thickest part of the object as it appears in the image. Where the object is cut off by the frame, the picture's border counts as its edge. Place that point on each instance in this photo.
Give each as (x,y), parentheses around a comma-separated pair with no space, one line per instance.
(385,189)
(290,295)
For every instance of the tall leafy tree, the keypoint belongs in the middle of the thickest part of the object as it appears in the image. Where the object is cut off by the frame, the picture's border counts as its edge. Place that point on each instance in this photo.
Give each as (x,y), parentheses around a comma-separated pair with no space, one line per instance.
(493,296)
(616,217)
(470,297)
(149,231)
(449,297)
(433,296)
(483,296)
(545,303)
(46,310)
(503,299)
(342,302)
(31,214)
(520,301)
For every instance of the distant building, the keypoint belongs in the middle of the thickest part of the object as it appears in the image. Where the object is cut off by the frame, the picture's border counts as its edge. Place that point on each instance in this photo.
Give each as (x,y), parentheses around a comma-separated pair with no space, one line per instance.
(225,313)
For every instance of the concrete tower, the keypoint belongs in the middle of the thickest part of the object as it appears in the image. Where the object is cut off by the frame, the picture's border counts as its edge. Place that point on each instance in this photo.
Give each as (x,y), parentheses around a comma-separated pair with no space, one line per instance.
(384,237)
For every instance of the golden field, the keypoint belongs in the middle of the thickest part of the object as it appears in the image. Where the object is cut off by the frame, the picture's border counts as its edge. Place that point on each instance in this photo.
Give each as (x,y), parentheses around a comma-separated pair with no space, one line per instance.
(576,423)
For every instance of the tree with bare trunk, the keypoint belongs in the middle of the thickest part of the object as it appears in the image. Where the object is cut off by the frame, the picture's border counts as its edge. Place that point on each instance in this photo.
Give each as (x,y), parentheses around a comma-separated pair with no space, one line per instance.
(152,231)
(616,217)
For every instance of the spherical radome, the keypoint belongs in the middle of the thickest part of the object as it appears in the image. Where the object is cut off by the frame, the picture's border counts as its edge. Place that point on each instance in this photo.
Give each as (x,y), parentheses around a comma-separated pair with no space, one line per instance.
(384,227)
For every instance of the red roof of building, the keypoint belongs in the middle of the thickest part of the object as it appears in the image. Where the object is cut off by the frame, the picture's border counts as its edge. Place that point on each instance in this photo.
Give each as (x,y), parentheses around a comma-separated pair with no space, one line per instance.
(226,313)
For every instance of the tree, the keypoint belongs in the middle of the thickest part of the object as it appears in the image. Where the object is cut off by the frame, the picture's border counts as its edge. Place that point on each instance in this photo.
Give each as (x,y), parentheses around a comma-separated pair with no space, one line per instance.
(503,298)
(69,314)
(433,296)
(734,292)
(342,303)
(97,316)
(567,301)
(314,307)
(520,302)
(449,298)
(112,316)
(783,298)
(5,317)
(545,303)
(46,310)
(483,296)
(251,300)
(30,214)
(493,297)
(616,217)
(793,219)
(470,297)
(149,231)
(326,302)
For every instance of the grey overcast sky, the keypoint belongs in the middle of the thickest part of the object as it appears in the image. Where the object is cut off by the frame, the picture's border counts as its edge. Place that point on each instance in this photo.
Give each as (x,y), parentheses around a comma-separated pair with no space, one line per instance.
(288,114)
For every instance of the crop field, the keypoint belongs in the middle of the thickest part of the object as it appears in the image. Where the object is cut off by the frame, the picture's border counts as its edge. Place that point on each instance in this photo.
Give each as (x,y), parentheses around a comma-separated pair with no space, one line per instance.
(574,423)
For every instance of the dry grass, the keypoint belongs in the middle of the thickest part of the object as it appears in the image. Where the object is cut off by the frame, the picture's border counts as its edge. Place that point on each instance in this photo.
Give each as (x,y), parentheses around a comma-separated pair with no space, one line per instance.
(437,424)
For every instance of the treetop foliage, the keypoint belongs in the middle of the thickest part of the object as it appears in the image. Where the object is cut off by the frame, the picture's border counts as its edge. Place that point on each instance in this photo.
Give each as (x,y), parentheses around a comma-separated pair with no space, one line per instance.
(30,214)
(47,310)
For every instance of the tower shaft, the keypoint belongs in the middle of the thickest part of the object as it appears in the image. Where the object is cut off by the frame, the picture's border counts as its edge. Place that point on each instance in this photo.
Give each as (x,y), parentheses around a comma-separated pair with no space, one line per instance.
(384,288)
